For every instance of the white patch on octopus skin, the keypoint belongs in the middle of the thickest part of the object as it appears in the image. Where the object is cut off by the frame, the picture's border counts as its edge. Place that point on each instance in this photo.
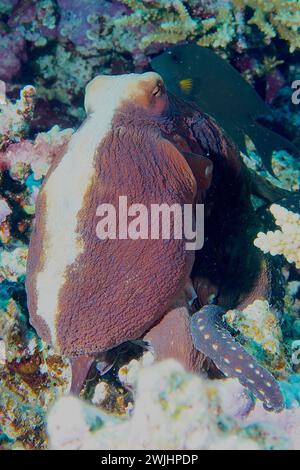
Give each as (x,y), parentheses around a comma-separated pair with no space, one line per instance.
(68,184)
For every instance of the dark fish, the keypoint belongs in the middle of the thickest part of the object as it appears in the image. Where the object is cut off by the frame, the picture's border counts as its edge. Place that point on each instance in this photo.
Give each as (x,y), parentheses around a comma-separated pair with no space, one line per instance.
(198,74)
(212,339)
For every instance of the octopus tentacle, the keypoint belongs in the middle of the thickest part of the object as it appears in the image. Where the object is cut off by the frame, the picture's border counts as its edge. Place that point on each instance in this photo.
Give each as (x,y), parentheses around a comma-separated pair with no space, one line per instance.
(212,339)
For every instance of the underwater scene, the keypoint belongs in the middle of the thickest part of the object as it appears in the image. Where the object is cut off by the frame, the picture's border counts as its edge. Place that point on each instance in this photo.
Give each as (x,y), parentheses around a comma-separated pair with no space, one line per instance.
(149,225)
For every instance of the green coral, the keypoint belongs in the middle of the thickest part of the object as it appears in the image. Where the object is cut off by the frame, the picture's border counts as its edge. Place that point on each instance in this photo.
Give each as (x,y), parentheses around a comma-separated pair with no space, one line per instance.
(275,17)
(171,22)
(68,72)
(219,31)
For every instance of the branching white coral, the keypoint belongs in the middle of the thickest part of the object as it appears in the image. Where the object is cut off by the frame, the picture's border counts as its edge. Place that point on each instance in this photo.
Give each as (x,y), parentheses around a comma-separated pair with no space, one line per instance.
(172,18)
(285,241)
(225,29)
(274,17)
(14,117)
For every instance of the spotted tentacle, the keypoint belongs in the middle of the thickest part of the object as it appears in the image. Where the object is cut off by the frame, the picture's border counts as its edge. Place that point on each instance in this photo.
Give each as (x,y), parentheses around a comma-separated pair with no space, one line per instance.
(212,339)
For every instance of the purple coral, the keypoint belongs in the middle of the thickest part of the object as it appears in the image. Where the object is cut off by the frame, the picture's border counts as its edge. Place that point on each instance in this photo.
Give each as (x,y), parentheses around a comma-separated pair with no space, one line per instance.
(77,17)
(12,55)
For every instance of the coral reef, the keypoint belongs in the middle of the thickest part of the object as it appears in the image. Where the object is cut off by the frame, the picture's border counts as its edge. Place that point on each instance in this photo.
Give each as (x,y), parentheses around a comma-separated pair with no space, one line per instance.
(62,44)
(18,155)
(13,264)
(275,17)
(258,324)
(174,410)
(31,376)
(285,241)
(12,54)
(163,23)
(285,167)
(30,379)
(5,210)
(220,30)
(15,117)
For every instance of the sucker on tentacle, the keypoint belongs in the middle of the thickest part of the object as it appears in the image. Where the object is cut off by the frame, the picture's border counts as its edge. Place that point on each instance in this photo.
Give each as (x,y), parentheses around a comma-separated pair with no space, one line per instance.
(212,339)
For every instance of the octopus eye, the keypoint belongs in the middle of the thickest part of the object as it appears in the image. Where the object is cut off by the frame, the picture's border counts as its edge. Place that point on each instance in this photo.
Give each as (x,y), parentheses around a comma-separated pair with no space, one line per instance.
(158,90)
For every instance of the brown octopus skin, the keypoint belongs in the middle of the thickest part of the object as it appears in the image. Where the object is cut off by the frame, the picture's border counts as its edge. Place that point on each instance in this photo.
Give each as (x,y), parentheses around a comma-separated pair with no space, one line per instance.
(113,292)
(121,290)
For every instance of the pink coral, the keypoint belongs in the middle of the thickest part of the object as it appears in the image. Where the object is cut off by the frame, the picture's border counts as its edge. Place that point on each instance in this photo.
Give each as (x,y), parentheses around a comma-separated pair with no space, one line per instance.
(38,154)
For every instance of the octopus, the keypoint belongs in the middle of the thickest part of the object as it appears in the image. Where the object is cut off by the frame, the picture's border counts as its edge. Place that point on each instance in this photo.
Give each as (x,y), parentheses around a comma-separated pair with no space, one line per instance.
(87,296)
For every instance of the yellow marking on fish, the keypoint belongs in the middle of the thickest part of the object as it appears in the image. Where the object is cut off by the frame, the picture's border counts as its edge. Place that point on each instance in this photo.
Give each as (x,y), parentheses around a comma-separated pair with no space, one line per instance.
(239,371)
(186,85)
(207,336)
(215,347)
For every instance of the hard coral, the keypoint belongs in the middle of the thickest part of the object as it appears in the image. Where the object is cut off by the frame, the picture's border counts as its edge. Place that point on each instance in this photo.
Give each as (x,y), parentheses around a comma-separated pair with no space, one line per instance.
(285,241)
(15,117)
(168,22)
(258,323)
(35,21)
(30,374)
(20,157)
(30,378)
(173,410)
(12,54)
(219,30)
(13,264)
(275,17)
(68,72)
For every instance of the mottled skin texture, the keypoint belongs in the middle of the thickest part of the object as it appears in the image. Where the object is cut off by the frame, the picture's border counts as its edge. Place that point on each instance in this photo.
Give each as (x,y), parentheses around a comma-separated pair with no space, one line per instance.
(156,149)
(121,275)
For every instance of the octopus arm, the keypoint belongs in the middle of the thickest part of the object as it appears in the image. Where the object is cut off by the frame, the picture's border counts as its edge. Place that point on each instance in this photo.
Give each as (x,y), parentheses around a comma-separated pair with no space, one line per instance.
(212,339)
